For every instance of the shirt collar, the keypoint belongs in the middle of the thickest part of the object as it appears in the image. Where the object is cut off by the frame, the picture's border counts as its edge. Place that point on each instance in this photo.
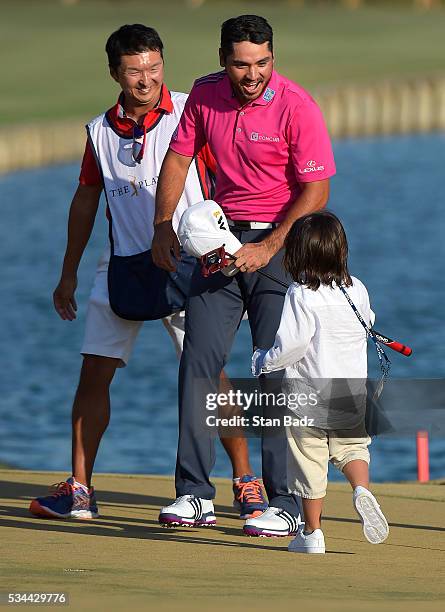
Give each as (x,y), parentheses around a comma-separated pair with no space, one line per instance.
(126,124)
(265,98)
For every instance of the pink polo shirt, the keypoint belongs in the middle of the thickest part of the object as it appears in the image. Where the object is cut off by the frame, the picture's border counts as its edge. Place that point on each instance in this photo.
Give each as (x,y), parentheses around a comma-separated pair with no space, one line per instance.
(263,150)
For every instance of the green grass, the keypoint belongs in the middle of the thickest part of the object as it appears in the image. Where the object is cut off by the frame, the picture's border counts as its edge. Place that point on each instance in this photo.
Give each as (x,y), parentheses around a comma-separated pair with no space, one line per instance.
(54,65)
(128,562)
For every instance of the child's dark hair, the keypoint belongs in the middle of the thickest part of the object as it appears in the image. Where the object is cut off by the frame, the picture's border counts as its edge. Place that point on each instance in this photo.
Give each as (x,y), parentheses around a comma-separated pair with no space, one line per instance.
(316,251)
(130,40)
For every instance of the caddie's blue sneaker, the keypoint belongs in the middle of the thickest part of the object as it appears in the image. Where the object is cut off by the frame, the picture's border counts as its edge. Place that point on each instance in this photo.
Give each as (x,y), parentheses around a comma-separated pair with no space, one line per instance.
(68,500)
(249,496)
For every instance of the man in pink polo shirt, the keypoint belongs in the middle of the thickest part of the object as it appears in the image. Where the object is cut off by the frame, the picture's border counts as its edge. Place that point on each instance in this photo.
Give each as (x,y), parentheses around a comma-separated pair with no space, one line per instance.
(274,160)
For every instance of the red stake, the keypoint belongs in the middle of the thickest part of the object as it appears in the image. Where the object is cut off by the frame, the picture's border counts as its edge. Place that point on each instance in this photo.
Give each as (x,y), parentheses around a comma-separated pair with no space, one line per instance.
(423,461)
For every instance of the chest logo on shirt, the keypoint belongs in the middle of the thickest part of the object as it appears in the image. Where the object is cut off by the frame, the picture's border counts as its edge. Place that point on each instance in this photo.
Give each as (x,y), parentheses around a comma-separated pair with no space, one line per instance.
(133,180)
(268,94)
(137,186)
(312,166)
(256,137)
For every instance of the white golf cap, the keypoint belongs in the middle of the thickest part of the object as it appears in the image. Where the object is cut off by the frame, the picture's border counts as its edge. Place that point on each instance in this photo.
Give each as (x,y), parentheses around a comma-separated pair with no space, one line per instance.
(203,228)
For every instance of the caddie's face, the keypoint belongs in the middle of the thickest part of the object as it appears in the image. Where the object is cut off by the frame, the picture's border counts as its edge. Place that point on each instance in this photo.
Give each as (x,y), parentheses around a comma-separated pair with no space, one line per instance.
(249,68)
(140,77)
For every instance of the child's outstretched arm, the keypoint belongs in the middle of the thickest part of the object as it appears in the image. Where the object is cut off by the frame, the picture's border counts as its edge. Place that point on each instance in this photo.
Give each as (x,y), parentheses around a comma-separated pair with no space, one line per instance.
(297,327)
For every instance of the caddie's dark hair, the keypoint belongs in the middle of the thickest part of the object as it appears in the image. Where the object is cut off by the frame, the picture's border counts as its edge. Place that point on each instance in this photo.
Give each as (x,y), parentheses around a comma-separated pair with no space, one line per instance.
(252,28)
(130,40)
(316,251)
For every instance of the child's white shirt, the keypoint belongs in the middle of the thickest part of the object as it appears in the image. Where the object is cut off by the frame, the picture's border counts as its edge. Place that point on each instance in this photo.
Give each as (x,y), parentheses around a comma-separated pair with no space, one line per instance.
(319,335)
(322,346)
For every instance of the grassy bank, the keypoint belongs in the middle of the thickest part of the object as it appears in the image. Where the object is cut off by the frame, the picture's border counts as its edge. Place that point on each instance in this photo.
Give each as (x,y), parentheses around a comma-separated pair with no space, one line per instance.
(55,65)
(125,559)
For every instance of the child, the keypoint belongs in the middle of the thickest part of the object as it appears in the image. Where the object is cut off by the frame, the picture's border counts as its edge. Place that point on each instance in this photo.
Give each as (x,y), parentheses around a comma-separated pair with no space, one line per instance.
(320,337)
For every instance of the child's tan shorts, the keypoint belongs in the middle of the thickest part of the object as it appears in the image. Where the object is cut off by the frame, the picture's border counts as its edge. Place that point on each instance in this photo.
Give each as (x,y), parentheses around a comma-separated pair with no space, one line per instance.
(309,451)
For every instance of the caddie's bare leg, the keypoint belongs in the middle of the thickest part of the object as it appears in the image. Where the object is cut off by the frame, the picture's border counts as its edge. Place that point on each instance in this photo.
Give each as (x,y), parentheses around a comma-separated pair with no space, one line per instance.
(91,413)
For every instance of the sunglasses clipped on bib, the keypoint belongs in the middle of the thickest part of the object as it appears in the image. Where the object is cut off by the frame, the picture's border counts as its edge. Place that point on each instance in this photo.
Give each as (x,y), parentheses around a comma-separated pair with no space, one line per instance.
(138,146)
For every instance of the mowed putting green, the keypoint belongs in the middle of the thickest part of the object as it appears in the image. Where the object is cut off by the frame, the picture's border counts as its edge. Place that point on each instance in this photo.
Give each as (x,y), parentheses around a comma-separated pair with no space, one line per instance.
(125,559)
(54,64)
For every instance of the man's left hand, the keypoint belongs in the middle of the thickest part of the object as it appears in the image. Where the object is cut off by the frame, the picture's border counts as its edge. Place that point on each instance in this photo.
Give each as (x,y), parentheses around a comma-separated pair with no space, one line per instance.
(252,256)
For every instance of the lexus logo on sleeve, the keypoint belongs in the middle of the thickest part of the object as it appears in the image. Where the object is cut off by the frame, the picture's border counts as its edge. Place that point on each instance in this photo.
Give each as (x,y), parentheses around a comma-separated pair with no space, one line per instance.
(312,166)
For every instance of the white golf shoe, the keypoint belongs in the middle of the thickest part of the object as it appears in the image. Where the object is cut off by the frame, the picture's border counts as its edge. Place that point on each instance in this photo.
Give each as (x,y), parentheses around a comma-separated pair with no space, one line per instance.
(273,522)
(188,511)
(308,543)
(375,525)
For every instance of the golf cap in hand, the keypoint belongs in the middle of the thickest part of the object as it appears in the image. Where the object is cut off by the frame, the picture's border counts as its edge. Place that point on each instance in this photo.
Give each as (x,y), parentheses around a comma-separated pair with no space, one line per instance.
(203,228)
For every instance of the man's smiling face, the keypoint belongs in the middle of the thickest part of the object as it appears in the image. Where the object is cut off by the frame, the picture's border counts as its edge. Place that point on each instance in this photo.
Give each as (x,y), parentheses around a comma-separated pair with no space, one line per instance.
(141,77)
(249,68)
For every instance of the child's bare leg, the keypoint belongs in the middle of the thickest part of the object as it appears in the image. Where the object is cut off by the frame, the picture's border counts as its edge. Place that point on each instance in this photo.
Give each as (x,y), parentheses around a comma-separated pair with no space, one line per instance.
(312,513)
(357,472)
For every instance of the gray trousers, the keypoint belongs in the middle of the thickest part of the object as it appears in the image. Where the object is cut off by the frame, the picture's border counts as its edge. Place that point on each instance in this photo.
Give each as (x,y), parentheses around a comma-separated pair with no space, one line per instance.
(213,313)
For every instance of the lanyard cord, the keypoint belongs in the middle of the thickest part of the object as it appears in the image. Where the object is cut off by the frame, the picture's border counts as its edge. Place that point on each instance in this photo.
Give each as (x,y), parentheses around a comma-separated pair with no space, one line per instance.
(385,363)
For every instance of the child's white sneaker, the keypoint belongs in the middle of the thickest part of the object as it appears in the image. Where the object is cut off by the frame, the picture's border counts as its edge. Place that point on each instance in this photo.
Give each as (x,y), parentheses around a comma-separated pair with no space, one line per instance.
(375,525)
(310,543)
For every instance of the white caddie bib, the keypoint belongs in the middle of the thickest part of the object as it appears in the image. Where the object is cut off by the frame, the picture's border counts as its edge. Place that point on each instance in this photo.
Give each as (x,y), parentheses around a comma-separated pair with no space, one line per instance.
(130,187)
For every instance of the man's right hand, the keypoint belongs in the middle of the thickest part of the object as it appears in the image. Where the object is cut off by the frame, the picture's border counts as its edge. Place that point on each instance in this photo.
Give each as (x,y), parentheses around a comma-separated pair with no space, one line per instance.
(165,243)
(64,300)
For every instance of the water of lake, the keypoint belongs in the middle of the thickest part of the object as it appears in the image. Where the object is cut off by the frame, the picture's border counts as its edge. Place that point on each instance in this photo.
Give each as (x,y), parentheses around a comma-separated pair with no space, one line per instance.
(389,194)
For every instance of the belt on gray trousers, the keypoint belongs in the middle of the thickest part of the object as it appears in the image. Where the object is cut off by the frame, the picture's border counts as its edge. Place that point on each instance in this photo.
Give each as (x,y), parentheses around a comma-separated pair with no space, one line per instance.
(248,225)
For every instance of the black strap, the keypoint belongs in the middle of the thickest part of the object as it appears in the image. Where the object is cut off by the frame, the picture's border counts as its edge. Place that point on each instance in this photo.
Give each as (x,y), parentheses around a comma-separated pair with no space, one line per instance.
(385,363)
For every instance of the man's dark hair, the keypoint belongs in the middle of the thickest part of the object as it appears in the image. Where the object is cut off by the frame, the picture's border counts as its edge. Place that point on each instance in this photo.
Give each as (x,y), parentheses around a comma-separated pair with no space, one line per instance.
(130,40)
(316,251)
(252,28)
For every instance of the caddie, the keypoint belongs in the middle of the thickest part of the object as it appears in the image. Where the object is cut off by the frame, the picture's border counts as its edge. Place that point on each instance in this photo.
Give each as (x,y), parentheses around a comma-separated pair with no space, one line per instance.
(274,160)
(123,156)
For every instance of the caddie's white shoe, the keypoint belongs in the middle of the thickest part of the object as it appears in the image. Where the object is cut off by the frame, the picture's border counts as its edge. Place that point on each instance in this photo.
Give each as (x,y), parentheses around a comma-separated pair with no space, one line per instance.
(188,511)
(310,543)
(375,525)
(273,522)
